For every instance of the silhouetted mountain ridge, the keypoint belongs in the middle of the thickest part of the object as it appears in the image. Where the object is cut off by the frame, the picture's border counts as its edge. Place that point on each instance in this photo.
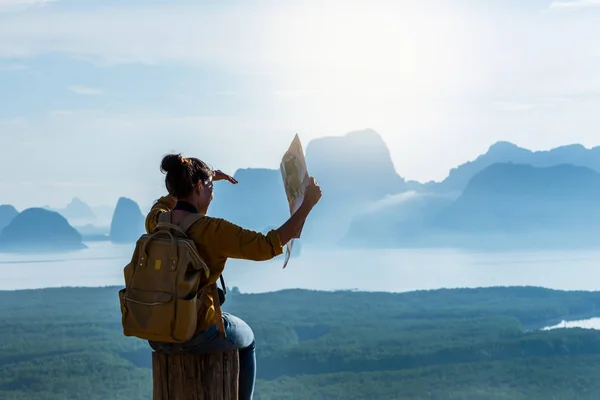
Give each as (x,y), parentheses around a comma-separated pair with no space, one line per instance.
(507,152)
(40,230)
(257,201)
(357,164)
(362,191)
(127,223)
(7,214)
(352,170)
(557,181)
(504,205)
(77,209)
(509,190)
(516,197)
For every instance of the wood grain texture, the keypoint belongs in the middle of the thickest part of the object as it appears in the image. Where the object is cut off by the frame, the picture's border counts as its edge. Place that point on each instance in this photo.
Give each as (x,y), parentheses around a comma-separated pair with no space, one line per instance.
(192,377)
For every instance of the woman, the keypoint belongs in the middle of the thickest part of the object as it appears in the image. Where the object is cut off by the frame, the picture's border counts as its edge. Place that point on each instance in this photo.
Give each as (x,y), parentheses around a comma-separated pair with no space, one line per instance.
(189,182)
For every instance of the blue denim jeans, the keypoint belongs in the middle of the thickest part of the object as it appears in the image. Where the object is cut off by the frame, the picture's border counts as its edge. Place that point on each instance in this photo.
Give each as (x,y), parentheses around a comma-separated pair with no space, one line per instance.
(239,336)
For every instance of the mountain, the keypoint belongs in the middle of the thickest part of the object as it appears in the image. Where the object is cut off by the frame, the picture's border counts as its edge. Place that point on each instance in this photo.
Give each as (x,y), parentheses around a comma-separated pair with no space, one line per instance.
(40,230)
(352,170)
(516,198)
(505,205)
(357,164)
(257,201)
(506,152)
(127,223)
(77,210)
(7,213)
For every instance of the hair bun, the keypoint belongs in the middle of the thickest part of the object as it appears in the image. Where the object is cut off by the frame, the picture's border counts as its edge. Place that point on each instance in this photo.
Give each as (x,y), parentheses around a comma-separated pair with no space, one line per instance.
(172,163)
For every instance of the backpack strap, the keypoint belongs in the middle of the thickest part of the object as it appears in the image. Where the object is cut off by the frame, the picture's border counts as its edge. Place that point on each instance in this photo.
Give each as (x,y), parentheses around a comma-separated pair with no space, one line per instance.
(218,312)
(188,221)
(169,226)
(164,222)
(223,284)
(185,225)
(164,216)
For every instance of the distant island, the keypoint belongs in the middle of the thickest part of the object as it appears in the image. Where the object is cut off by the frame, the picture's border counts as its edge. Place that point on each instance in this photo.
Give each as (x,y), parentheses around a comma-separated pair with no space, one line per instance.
(39,230)
(505,205)
(506,152)
(45,230)
(506,198)
(7,214)
(127,223)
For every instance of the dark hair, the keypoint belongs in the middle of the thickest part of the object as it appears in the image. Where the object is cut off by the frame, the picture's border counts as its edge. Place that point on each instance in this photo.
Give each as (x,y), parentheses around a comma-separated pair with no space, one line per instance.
(183,173)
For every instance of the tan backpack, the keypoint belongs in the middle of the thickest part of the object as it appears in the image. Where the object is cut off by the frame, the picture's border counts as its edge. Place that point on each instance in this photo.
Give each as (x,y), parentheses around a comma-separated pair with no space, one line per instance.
(165,283)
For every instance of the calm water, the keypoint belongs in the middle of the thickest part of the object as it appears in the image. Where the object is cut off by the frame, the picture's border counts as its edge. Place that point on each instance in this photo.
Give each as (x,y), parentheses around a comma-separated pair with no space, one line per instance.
(382,270)
(592,323)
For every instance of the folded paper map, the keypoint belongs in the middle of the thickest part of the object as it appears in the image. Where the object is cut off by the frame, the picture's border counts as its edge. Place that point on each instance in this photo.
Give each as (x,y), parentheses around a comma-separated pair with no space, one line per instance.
(295,178)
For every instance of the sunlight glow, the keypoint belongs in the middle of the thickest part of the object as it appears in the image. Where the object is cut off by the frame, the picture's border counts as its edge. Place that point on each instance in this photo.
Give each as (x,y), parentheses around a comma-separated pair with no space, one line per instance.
(379,66)
(370,51)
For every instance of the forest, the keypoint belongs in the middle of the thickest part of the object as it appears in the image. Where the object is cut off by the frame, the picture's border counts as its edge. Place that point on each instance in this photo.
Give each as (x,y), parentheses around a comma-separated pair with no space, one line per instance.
(482,343)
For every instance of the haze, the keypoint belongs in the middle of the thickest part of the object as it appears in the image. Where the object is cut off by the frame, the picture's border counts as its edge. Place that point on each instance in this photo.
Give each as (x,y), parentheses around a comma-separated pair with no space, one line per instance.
(94,94)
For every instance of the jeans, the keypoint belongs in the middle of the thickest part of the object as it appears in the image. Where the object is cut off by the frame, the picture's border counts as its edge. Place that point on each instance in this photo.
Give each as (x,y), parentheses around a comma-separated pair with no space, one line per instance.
(239,336)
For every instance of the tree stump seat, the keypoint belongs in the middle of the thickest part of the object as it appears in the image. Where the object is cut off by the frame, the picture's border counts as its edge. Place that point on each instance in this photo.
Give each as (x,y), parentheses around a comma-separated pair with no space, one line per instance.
(195,377)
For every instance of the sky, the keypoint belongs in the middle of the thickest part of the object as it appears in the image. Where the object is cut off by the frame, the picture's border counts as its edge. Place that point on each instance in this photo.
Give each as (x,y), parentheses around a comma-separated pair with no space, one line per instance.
(94,93)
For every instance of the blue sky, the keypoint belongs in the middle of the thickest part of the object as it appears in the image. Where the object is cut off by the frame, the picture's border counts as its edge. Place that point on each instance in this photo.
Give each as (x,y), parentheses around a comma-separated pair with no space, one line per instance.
(91,91)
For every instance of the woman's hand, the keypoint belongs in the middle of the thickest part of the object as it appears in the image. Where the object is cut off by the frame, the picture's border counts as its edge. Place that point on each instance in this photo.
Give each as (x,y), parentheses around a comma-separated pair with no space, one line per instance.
(312,193)
(292,227)
(219,175)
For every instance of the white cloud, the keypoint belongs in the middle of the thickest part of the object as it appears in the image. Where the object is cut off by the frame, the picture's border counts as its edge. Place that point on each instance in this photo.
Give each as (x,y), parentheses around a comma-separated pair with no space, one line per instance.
(21,5)
(149,35)
(551,103)
(424,80)
(48,183)
(391,201)
(226,93)
(13,67)
(294,93)
(364,47)
(382,52)
(6,3)
(575,4)
(513,106)
(60,113)
(9,124)
(86,91)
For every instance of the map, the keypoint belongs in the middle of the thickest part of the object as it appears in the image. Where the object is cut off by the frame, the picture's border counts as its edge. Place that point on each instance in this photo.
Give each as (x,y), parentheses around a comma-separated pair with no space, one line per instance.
(295,176)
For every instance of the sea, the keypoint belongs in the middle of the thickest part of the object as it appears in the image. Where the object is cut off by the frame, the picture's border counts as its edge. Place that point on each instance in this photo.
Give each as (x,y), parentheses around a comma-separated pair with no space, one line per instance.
(393,270)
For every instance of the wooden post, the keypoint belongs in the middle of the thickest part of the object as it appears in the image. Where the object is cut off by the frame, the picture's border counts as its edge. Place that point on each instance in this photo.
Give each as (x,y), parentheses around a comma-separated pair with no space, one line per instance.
(192,377)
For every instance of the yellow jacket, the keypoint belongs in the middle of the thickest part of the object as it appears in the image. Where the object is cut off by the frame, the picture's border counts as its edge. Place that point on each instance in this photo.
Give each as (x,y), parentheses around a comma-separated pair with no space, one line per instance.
(217,240)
